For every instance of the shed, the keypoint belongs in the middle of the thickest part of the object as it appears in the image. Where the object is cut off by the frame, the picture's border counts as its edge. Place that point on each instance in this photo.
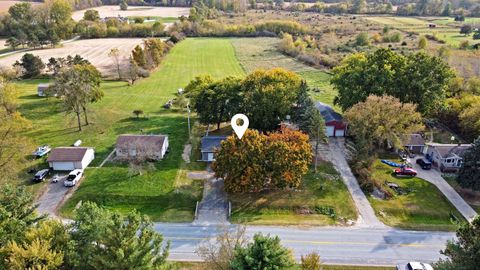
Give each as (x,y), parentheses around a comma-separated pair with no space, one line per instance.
(70,158)
(209,145)
(334,124)
(150,146)
(42,87)
(415,143)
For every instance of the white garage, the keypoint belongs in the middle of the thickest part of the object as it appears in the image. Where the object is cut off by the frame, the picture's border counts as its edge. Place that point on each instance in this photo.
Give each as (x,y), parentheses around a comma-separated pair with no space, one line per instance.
(70,158)
(330,131)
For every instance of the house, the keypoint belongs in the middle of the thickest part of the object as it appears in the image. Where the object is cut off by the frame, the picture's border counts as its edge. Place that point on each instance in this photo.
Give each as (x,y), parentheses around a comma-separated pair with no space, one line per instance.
(334,125)
(446,157)
(41,89)
(150,146)
(209,144)
(415,143)
(70,158)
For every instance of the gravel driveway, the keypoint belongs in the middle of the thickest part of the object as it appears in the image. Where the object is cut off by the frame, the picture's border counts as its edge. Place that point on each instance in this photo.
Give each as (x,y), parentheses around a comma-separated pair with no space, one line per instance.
(50,199)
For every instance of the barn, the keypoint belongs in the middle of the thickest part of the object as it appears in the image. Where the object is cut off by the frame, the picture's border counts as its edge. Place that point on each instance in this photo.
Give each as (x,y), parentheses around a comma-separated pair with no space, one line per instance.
(334,124)
(70,158)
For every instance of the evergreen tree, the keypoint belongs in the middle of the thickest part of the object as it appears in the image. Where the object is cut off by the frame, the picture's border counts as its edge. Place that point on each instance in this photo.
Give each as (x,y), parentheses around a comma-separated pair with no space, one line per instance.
(469,174)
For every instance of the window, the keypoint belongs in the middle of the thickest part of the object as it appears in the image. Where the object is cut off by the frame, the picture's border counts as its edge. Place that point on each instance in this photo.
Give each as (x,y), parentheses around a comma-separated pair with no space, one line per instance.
(448,160)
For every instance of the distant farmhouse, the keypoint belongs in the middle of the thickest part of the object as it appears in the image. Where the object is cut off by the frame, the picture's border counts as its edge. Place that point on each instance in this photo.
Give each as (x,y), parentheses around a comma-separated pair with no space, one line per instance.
(334,124)
(209,145)
(153,147)
(42,88)
(70,158)
(446,157)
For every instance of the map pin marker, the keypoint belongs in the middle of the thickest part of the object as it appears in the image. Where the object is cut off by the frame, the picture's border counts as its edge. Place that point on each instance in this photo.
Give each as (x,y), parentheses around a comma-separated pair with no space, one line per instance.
(239,130)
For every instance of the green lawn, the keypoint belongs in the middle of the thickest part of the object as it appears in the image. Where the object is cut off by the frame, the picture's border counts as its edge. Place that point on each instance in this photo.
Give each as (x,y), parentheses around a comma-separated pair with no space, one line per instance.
(324,189)
(424,207)
(165,193)
(261,53)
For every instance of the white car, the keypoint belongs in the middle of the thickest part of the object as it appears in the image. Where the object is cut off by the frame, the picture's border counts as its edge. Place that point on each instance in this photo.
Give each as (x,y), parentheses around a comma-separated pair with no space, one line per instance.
(73,178)
(415,266)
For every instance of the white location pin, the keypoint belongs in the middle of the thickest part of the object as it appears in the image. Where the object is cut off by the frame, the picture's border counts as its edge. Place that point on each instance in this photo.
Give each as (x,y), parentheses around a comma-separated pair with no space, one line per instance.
(239,130)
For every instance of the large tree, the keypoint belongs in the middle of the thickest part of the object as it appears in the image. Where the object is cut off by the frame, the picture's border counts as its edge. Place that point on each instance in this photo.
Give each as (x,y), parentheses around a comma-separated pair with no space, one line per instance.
(383,121)
(31,65)
(469,174)
(416,78)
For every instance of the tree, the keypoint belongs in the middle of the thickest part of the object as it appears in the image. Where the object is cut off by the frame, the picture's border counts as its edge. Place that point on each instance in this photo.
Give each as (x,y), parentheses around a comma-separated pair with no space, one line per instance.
(269,96)
(469,174)
(31,65)
(13,42)
(422,43)
(77,87)
(383,121)
(132,71)
(115,55)
(311,261)
(123,5)
(466,29)
(417,78)
(359,6)
(447,11)
(462,253)
(476,35)
(264,253)
(91,15)
(138,55)
(137,113)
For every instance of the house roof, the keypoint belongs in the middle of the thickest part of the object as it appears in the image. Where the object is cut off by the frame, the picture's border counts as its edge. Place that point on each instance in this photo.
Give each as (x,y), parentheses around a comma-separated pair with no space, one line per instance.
(43,85)
(414,140)
(328,113)
(62,154)
(450,150)
(209,143)
(154,142)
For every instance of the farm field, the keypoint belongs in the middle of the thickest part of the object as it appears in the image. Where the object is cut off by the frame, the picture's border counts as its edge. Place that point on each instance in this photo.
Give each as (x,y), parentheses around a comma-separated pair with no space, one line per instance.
(424,207)
(302,207)
(166,194)
(6,4)
(143,11)
(94,50)
(260,53)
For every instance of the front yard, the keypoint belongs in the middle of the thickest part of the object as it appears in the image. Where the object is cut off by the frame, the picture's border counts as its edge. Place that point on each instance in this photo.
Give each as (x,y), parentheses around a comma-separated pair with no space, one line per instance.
(323,199)
(422,207)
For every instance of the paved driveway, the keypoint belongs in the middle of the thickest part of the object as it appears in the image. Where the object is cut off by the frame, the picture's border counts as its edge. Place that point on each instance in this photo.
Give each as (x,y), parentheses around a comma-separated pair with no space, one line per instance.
(433,176)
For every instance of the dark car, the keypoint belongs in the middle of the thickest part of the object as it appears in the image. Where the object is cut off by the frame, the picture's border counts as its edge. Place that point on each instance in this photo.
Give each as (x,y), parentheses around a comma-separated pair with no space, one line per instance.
(425,164)
(41,175)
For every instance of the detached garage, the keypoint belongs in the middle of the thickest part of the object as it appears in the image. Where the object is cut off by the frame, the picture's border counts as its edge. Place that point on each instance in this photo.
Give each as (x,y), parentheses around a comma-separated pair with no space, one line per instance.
(334,125)
(70,158)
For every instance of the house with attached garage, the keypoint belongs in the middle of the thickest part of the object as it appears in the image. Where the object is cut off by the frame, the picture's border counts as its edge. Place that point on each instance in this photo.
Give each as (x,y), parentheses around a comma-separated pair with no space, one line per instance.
(209,145)
(446,157)
(415,143)
(70,158)
(153,147)
(334,124)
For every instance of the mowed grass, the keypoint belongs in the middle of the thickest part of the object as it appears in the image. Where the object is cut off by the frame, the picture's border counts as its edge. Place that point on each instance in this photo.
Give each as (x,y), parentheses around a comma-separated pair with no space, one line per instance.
(288,207)
(424,207)
(261,53)
(164,193)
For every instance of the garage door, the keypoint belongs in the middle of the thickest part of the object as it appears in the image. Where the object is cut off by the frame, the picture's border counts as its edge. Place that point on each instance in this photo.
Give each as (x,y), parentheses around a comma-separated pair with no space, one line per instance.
(330,131)
(63,166)
(339,133)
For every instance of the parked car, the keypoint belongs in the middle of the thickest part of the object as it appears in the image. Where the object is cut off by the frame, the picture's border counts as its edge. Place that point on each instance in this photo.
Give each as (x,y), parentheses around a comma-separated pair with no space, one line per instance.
(425,164)
(73,178)
(415,266)
(405,171)
(41,175)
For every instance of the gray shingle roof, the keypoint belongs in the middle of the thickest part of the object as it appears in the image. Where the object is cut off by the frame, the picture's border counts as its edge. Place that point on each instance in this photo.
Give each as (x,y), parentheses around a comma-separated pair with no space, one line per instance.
(209,143)
(61,154)
(414,139)
(154,142)
(328,113)
(450,150)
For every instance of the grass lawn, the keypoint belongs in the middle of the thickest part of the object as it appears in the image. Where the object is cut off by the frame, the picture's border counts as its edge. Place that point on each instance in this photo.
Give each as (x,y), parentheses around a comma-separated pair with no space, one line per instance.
(424,207)
(165,193)
(261,53)
(470,196)
(202,266)
(283,207)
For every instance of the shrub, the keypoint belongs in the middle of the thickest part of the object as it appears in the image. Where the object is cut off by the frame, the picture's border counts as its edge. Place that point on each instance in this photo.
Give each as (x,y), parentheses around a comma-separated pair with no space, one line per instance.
(139,20)
(464,44)
(311,261)
(112,31)
(362,39)
(325,210)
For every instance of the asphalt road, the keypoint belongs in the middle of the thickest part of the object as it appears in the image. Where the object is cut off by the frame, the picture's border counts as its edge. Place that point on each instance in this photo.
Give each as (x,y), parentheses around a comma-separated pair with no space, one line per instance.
(336,245)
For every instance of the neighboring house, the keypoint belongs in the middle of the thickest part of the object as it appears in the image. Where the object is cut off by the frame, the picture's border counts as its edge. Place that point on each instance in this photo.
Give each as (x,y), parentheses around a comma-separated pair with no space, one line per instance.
(446,157)
(415,143)
(42,88)
(334,124)
(150,146)
(209,144)
(70,158)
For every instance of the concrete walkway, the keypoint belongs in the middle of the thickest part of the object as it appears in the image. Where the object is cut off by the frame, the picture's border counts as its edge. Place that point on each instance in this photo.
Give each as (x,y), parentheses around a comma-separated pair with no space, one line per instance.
(213,209)
(433,176)
(335,154)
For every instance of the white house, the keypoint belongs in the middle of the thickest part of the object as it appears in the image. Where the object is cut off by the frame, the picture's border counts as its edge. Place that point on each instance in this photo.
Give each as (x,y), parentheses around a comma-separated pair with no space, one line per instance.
(70,158)
(446,157)
(152,146)
(41,88)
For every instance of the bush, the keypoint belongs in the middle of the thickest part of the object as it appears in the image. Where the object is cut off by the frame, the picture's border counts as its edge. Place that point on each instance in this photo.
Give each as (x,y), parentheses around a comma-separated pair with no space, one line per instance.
(325,210)
(362,39)
(112,31)
(143,73)
(138,20)
(176,37)
(311,261)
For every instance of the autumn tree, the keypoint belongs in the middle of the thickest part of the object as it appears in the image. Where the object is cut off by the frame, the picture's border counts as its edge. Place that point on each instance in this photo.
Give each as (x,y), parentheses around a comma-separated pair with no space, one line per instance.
(31,65)
(469,174)
(258,161)
(115,55)
(138,55)
(383,121)
(416,78)
(311,261)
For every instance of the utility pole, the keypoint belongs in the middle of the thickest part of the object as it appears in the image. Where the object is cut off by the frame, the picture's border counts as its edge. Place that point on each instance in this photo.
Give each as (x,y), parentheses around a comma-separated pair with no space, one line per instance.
(188,110)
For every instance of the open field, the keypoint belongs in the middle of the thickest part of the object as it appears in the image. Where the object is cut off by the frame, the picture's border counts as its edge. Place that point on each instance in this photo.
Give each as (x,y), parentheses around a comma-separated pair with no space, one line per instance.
(288,207)
(94,50)
(424,207)
(261,53)
(6,4)
(165,193)
(114,11)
